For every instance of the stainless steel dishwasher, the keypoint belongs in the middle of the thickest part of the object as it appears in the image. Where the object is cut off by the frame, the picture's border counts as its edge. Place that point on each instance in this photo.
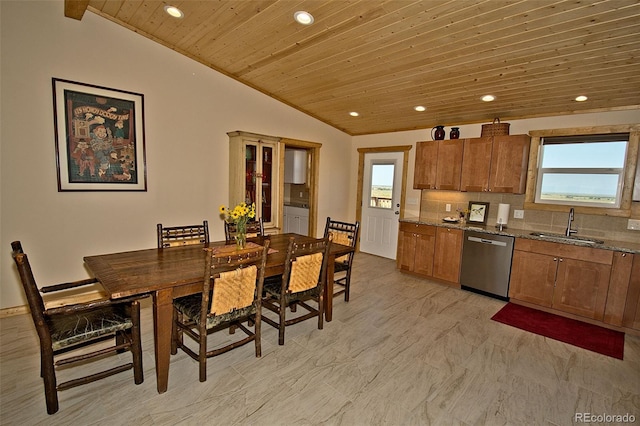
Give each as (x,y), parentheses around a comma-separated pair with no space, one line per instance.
(486,263)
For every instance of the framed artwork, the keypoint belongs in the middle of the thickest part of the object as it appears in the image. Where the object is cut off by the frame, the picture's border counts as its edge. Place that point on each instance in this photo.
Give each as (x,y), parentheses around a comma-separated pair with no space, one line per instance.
(99,138)
(478,212)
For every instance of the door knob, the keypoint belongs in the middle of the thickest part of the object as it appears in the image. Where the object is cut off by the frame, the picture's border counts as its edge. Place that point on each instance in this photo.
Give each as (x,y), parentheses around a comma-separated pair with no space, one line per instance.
(397,212)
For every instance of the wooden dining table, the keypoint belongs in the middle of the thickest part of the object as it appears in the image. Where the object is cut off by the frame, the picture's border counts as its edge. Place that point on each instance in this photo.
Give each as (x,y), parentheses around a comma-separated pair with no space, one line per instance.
(174,272)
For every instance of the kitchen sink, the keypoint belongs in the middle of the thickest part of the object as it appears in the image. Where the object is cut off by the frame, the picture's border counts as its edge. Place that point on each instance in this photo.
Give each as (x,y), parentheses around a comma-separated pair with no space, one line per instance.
(561,237)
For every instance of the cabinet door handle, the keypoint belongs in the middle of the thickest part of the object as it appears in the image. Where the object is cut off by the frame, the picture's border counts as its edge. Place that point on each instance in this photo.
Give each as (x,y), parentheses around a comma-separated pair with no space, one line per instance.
(555,259)
(561,259)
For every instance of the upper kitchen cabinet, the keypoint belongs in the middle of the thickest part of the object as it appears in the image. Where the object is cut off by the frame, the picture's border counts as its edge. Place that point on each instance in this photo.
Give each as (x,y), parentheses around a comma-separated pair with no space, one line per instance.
(495,164)
(438,165)
(254,174)
(295,166)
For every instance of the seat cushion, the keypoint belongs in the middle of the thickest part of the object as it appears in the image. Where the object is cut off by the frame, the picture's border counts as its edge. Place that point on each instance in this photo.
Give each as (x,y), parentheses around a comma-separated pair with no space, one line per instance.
(191,306)
(341,266)
(70,329)
(273,289)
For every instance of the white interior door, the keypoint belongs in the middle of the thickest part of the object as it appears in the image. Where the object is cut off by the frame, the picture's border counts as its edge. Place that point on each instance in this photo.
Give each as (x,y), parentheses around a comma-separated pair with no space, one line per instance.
(381,187)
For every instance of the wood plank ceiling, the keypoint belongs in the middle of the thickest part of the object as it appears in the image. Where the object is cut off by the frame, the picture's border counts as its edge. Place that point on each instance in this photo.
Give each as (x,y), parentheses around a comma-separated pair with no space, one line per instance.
(383,57)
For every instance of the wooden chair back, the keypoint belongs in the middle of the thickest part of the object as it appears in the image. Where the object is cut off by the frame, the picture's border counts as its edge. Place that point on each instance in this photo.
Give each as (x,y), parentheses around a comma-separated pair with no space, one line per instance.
(255,228)
(175,236)
(305,266)
(342,233)
(233,280)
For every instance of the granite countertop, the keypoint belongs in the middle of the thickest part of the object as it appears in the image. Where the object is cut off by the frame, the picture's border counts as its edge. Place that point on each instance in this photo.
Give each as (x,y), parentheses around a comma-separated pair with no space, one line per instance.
(295,204)
(623,246)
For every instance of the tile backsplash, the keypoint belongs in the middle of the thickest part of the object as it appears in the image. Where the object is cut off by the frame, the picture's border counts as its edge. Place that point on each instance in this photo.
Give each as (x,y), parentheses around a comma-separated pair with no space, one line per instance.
(433,208)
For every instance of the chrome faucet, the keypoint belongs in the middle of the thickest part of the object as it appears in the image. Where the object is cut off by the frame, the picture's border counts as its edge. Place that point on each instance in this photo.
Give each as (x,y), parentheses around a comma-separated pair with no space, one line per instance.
(570,231)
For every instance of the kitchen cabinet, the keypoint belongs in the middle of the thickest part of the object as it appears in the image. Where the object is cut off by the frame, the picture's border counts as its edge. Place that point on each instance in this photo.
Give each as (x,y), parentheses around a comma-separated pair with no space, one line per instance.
(618,288)
(438,165)
(296,220)
(565,277)
(416,245)
(448,254)
(430,251)
(295,166)
(631,317)
(495,164)
(254,174)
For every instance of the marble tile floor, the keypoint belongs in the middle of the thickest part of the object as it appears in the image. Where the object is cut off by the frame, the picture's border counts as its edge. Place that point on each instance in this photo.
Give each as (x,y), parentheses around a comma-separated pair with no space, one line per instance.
(403,351)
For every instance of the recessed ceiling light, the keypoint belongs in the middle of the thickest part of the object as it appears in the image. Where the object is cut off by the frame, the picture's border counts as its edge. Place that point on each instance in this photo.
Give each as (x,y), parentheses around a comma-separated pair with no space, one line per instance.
(354,114)
(581,98)
(420,108)
(488,98)
(302,17)
(173,11)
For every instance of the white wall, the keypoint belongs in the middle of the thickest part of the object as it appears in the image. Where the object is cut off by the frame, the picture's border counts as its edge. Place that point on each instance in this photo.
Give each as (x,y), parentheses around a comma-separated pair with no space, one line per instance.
(517,127)
(188,111)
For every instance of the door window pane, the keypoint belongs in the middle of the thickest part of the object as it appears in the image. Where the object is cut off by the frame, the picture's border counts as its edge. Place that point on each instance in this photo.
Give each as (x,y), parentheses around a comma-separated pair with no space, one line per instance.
(381,193)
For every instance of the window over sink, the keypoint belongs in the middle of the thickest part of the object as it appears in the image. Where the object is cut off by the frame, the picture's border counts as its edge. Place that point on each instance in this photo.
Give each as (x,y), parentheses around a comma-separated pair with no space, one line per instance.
(589,168)
(583,170)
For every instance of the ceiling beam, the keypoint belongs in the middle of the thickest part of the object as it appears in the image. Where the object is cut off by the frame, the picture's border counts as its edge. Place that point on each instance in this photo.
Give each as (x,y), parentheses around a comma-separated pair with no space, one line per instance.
(75,8)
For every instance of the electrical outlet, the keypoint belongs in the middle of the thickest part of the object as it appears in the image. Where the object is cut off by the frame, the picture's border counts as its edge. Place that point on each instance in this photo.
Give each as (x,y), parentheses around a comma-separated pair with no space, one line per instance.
(634,224)
(447,207)
(518,214)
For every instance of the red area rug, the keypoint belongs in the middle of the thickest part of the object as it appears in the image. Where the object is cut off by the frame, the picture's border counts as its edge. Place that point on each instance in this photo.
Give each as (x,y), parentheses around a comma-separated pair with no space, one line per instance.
(567,330)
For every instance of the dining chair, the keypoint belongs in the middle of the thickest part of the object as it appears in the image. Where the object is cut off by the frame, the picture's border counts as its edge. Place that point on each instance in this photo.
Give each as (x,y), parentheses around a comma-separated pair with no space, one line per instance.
(302,281)
(255,228)
(174,236)
(231,295)
(346,234)
(73,328)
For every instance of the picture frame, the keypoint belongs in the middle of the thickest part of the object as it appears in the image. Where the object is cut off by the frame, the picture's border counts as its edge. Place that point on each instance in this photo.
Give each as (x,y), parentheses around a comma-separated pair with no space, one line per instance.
(99,138)
(478,212)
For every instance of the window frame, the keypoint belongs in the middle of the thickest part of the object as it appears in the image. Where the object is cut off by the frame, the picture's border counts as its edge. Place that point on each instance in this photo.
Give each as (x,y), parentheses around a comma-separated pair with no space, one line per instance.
(631,163)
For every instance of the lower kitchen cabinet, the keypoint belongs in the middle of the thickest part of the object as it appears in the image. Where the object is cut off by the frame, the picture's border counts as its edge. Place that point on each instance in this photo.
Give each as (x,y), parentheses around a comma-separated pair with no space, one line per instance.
(631,316)
(416,245)
(568,278)
(296,220)
(430,251)
(447,255)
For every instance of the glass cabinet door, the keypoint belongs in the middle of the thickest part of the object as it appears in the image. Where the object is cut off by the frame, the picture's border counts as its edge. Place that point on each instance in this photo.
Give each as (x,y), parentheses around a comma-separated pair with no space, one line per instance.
(267,183)
(251,154)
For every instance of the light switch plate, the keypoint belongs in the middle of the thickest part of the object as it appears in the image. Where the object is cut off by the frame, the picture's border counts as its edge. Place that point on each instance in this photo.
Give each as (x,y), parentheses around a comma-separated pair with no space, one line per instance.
(634,224)
(518,214)
(447,207)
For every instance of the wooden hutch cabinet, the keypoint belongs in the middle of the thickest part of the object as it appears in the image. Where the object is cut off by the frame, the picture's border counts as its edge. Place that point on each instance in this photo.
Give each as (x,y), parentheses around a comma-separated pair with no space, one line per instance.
(254,174)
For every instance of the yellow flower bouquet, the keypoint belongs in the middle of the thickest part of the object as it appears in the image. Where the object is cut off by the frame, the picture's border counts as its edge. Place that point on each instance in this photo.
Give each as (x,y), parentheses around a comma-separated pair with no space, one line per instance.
(239,216)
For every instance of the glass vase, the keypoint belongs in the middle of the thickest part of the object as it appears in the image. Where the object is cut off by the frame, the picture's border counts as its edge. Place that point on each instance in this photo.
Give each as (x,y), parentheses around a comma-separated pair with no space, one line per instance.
(241,235)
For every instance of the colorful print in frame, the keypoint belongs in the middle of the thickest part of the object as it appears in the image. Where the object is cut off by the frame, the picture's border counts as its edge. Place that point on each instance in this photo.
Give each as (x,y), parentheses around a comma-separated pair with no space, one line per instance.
(99,138)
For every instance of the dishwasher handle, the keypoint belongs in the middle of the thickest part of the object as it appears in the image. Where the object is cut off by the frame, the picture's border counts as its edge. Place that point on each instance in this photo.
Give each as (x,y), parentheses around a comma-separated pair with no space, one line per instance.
(487,241)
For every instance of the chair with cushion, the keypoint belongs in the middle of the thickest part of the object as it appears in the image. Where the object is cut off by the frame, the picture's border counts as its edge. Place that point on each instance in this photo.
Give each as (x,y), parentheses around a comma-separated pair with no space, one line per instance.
(67,328)
(302,281)
(231,295)
(346,234)
(255,228)
(175,236)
